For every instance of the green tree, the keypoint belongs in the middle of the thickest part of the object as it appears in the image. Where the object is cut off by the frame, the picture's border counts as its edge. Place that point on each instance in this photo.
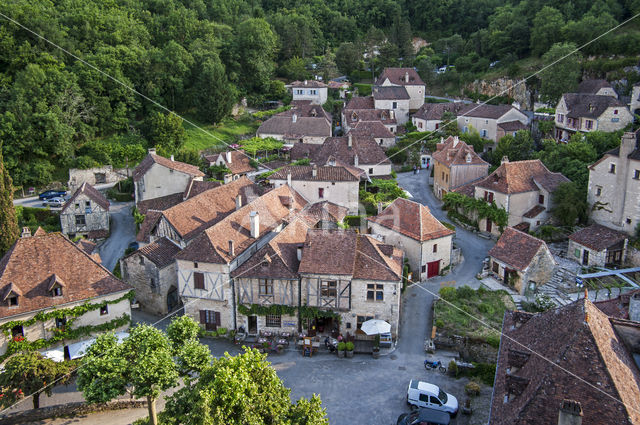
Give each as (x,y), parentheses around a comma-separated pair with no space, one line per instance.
(546,30)
(166,131)
(30,373)
(348,57)
(562,74)
(144,362)
(569,204)
(190,355)
(237,390)
(212,94)
(8,220)
(294,69)
(254,49)
(516,148)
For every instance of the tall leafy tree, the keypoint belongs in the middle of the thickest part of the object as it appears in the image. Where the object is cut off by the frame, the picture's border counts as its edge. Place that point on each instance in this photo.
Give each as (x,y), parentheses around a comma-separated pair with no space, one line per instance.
(8,220)
(569,204)
(562,74)
(348,57)
(166,131)
(254,49)
(546,30)
(516,148)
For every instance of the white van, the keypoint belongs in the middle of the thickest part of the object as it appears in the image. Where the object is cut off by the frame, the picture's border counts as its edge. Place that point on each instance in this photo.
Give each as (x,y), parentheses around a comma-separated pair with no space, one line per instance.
(423,394)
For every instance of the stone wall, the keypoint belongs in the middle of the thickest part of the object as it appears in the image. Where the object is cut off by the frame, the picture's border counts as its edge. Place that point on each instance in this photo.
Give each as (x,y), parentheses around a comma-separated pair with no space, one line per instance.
(152,285)
(73,409)
(469,350)
(97,175)
(504,87)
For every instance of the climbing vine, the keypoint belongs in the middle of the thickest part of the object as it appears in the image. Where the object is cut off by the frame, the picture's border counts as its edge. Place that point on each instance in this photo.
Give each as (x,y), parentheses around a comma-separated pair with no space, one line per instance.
(456,202)
(305,312)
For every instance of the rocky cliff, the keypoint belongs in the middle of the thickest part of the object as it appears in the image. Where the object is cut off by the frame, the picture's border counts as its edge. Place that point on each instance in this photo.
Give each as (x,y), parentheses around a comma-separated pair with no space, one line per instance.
(515,89)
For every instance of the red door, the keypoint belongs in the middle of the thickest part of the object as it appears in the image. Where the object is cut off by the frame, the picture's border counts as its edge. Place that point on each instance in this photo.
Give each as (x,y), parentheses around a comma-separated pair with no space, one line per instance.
(433,269)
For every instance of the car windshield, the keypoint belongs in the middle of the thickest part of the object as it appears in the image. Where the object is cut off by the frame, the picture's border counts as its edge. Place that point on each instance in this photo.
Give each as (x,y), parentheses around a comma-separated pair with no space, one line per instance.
(443,397)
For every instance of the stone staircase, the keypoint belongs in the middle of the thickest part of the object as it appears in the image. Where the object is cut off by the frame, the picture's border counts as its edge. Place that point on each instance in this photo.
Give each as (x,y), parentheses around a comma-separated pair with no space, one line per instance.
(553,288)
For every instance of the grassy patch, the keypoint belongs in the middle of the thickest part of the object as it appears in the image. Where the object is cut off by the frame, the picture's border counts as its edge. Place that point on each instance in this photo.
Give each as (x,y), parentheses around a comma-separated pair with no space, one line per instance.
(457,311)
(228,131)
(363,89)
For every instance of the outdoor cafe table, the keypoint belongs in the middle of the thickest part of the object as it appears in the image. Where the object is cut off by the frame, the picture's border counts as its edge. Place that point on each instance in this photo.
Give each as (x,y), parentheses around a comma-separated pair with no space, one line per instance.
(282,341)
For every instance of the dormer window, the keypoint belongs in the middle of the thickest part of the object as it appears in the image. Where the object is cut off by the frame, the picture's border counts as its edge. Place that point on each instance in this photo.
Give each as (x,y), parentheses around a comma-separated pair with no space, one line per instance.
(13,301)
(11,294)
(57,291)
(55,286)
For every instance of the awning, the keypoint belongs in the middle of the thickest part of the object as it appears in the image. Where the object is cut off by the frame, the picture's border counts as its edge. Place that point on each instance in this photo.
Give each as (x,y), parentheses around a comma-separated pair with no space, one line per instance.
(55,354)
(79,349)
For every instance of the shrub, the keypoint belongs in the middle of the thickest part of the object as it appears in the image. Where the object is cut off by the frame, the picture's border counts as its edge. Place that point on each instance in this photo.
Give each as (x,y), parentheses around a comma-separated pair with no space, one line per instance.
(472,389)
(439,323)
(448,294)
(466,292)
(349,346)
(222,331)
(341,346)
(453,368)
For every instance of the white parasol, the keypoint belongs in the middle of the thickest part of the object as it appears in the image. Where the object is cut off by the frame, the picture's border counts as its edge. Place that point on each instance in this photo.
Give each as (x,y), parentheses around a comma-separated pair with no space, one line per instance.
(375,326)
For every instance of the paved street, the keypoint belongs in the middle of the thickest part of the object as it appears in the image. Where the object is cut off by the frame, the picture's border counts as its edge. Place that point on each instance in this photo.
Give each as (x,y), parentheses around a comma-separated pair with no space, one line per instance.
(123,231)
(34,202)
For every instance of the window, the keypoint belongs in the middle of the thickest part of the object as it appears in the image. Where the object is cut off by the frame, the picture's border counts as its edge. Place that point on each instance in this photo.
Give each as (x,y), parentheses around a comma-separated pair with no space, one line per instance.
(13,301)
(80,221)
(541,199)
(486,121)
(488,196)
(313,92)
(560,118)
(612,168)
(615,119)
(370,170)
(628,221)
(17,331)
(423,398)
(483,133)
(636,174)
(424,268)
(576,253)
(437,125)
(361,319)
(87,204)
(446,178)
(141,260)
(589,124)
(265,287)
(434,400)
(496,267)
(77,205)
(394,105)
(435,247)
(195,265)
(329,288)
(210,318)
(60,322)
(273,320)
(598,190)
(615,112)
(57,291)
(443,175)
(465,129)
(152,283)
(375,292)
(298,91)
(198,280)
(420,125)
(321,192)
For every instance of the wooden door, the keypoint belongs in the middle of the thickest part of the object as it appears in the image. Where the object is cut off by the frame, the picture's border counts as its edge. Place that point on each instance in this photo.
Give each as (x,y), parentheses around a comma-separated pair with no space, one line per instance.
(433,268)
(585,257)
(489,225)
(253,325)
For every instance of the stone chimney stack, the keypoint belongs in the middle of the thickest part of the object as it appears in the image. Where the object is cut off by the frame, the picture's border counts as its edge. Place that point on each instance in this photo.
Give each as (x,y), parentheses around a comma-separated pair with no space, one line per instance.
(152,151)
(627,145)
(406,76)
(228,178)
(634,307)
(456,140)
(231,249)
(294,117)
(355,160)
(289,178)
(255,224)
(505,160)
(172,159)
(570,413)
(305,82)
(379,208)
(299,252)
(314,170)
(228,157)
(238,201)
(349,140)
(26,232)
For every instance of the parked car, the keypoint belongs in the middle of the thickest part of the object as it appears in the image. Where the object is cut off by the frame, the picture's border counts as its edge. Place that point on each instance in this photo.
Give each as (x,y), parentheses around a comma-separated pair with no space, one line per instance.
(423,394)
(52,194)
(54,202)
(424,416)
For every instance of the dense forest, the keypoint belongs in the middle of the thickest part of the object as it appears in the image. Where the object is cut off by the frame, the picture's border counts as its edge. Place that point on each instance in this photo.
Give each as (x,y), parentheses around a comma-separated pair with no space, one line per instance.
(199,57)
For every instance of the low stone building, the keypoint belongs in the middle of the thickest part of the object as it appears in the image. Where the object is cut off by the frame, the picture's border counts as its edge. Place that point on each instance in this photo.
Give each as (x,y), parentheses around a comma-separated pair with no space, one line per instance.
(375,130)
(303,123)
(521,261)
(597,87)
(580,112)
(336,184)
(598,245)
(493,122)
(151,271)
(363,109)
(429,116)
(411,227)
(47,272)
(393,98)
(455,164)
(238,163)
(86,213)
(95,175)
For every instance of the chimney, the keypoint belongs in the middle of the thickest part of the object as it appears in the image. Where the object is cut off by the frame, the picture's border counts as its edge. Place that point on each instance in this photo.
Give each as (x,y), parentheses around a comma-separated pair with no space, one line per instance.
(238,201)
(289,178)
(299,252)
(305,82)
(505,160)
(172,158)
(26,232)
(228,157)
(349,140)
(627,145)
(379,208)
(570,413)
(255,224)
(231,250)
(634,307)
(294,117)
(406,76)
(314,170)
(152,151)
(290,205)
(392,114)
(355,160)
(456,140)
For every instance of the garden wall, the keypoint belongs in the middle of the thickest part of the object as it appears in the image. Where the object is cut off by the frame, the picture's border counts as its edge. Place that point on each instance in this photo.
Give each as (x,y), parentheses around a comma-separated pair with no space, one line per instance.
(69,409)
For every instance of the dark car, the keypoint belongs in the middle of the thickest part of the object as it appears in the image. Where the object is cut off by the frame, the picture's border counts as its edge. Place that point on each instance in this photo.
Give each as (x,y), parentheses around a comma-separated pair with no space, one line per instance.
(424,416)
(52,194)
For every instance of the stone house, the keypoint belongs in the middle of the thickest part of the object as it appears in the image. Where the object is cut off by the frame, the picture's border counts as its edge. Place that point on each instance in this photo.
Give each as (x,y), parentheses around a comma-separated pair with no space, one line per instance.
(580,112)
(455,164)
(521,261)
(354,275)
(393,98)
(151,271)
(613,190)
(597,87)
(86,213)
(493,122)
(523,188)
(363,109)
(238,162)
(95,175)
(374,130)
(352,150)
(429,116)
(47,272)
(312,90)
(205,265)
(157,176)
(598,246)
(335,184)
(339,87)
(303,123)
(634,104)
(529,390)
(410,227)
(407,78)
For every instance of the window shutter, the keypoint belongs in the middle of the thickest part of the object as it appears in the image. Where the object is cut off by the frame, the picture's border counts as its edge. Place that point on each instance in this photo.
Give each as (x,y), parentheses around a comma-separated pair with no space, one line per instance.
(203,316)
(217,316)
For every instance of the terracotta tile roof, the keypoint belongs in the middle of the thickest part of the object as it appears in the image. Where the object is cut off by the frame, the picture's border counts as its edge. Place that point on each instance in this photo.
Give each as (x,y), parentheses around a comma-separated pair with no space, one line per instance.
(92,193)
(84,244)
(151,219)
(160,204)
(516,248)
(194,215)
(344,252)
(617,307)
(485,110)
(161,252)
(308,83)
(598,237)
(31,262)
(98,234)
(411,219)
(580,105)
(323,211)
(196,187)
(304,150)
(278,258)
(593,86)
(521,176)
(399,76)
(323,173)
(360,102)
(367,149)
(434,111)
(523,227)
(151,159)
(373,129)
(468,189)
(390,93)
(339,85)
(580,340)
(273,208)
(353,116)
(301,127)
(304,108)
(240,162)
(40,232)
(533,212)
(511,126)
(454,151)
